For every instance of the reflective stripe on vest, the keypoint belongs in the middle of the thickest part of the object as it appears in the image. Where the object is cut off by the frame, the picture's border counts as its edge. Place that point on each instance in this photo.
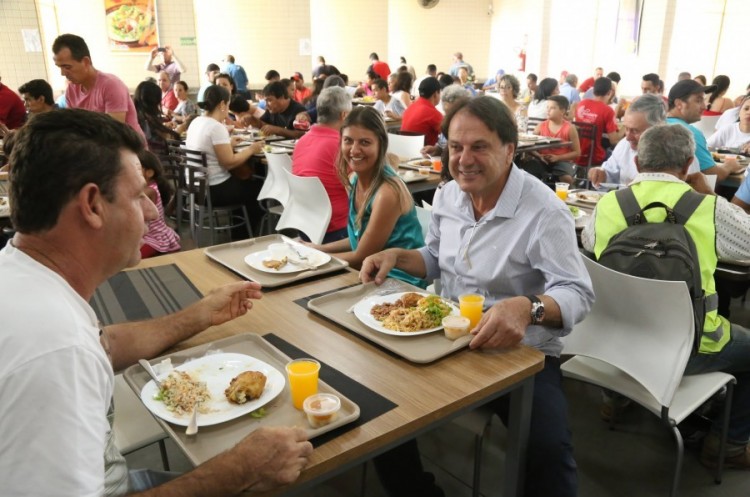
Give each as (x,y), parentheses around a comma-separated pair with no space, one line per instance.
(701,227)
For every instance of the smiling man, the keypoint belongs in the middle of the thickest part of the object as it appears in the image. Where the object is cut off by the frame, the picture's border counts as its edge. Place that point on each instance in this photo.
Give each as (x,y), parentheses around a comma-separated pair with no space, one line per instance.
(499,232)
(89,88)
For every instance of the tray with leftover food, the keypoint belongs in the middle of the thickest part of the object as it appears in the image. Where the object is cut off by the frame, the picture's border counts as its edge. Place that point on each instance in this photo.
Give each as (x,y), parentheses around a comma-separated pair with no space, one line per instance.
(235,256)
(212,440)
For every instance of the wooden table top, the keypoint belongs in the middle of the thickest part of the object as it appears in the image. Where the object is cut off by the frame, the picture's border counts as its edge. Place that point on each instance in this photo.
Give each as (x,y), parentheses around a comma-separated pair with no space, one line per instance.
(426,394)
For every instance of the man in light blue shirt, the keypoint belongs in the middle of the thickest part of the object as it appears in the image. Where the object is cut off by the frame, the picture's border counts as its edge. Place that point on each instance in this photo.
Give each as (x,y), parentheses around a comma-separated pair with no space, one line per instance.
(686,104)
(238,74)
(499,232)
(569,89)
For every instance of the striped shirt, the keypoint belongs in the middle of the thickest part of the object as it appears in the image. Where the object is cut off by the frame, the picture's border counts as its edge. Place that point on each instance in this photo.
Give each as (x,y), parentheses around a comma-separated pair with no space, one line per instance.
(160,236)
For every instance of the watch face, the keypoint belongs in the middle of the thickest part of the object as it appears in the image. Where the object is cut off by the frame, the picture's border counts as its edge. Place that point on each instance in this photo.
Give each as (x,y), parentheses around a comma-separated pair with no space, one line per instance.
(537,312)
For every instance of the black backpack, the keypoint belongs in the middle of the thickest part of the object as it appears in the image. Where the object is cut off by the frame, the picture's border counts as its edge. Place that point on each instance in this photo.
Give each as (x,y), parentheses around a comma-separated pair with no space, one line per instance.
(661,251)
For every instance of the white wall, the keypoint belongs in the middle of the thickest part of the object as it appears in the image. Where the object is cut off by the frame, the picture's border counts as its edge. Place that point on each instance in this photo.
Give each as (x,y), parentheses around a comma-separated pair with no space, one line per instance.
(575,35)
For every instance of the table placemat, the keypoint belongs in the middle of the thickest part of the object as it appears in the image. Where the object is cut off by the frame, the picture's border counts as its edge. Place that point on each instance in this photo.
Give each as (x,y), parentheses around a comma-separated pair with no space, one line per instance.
(142,294)
(371,404)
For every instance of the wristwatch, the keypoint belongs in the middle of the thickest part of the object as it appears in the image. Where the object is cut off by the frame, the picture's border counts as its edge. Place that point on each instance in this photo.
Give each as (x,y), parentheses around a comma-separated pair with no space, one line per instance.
(537,309)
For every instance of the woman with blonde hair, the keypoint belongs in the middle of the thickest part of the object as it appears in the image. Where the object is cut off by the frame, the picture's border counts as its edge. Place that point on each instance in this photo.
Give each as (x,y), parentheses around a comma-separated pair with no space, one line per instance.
(381,210)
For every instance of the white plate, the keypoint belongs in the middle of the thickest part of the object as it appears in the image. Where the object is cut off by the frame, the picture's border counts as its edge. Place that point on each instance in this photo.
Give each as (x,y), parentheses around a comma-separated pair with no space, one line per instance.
(590,197)
(418,163)
(362,311)
(578,215)
(411,177)
(217,370)
(314,257)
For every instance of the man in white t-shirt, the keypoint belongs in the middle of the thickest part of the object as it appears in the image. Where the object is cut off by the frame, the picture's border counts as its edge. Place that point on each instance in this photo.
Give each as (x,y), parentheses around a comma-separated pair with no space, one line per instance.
(80,212)
(646,111)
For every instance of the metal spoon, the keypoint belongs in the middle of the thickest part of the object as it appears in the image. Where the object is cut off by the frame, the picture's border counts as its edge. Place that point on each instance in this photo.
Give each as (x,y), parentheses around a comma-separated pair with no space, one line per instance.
(147,366)
(192,427)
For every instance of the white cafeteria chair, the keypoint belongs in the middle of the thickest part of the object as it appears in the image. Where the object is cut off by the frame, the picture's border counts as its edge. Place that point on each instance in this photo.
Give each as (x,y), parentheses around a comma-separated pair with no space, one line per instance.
(425,217)
(642,355)
(405,146)
(275,187)
(308,208)
(707,125)
(134,426)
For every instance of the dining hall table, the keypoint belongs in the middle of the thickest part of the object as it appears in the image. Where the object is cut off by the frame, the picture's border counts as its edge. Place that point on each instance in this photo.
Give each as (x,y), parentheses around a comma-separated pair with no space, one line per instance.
(419,397)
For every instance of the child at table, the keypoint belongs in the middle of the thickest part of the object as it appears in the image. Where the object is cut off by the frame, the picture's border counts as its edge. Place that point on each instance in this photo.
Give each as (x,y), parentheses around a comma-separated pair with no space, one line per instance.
(559,161)
(160,239)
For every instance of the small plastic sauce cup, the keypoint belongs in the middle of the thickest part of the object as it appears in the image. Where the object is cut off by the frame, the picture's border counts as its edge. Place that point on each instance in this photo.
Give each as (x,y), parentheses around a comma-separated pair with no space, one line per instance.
(321,409)
(424,170)
(455,326)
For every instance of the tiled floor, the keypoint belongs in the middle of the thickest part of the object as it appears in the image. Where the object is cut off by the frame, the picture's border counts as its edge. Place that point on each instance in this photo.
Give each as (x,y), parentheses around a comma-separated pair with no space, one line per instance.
(637,458)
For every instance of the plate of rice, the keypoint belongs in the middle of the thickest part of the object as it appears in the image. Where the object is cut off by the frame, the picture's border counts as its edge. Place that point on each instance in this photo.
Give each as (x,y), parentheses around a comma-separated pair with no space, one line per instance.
(405,313)
(205,380)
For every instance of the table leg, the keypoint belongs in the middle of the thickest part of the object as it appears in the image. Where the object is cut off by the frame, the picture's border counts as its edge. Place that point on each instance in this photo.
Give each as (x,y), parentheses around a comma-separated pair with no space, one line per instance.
(519,422)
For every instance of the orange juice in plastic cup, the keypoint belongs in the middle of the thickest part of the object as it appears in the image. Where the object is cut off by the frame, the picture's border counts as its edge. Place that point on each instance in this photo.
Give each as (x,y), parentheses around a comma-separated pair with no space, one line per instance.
(303,379)
(470,306)
(437,163)
(561,189)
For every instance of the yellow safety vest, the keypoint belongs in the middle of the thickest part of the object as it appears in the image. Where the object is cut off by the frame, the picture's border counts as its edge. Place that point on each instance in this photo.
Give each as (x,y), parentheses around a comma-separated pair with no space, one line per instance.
(701,226)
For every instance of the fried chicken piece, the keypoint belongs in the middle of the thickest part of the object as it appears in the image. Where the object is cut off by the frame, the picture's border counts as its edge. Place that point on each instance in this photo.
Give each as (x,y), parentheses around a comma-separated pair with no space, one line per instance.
(246,386)
(410,299)
(275,264)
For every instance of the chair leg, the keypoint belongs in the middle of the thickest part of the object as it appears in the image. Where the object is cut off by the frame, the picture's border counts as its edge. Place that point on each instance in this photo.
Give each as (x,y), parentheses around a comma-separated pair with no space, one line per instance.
(246,217)
(724,431)
(363,483)
(478,443)
(164,458)
(678,465)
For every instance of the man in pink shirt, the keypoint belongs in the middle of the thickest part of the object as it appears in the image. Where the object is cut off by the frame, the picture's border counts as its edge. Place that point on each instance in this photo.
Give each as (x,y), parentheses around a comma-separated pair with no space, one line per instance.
(91,89)
(316,154)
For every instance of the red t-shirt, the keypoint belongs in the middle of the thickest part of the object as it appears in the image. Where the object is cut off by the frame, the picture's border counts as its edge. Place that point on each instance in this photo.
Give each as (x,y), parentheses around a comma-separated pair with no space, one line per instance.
(169,100)
(563,133)
(601,114)
(382,69)
(109,94)
(301,95)
(315,155)
(423,118)
(12,111)
(587,83)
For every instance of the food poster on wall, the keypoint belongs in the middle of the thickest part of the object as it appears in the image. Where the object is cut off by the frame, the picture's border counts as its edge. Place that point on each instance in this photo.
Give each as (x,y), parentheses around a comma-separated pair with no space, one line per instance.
(131,25)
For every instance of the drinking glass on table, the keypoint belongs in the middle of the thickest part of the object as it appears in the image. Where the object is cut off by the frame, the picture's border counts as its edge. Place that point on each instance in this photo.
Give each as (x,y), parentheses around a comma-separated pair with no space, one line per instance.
(561,189)
(303,379)
(471,306)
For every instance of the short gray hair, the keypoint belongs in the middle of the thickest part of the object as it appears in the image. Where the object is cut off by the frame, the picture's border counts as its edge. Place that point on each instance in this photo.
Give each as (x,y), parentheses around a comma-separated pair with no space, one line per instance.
(331,103)
(451,93)
(652,107)
(571,79)
(665,147)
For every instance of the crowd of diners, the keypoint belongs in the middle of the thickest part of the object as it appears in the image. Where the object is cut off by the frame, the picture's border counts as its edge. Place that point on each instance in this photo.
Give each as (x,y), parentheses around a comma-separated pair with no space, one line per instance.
(92,158)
